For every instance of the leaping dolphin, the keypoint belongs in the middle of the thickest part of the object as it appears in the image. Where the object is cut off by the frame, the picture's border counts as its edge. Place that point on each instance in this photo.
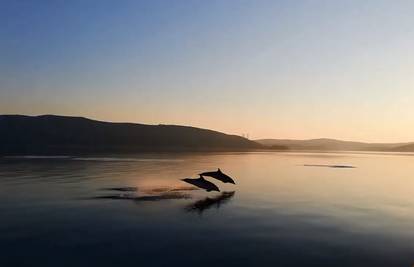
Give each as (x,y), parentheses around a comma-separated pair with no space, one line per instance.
(219,176)
(202,183)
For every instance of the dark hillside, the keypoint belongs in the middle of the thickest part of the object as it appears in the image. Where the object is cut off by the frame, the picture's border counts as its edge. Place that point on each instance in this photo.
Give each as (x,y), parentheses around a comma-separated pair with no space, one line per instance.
(58,134)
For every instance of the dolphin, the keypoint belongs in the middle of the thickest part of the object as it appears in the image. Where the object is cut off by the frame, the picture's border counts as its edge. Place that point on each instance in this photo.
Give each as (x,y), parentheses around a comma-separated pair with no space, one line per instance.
(202,183)
(219,176)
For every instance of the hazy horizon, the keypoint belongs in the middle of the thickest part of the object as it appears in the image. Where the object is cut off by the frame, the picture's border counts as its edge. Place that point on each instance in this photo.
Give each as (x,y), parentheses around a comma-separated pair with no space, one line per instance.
(269,69)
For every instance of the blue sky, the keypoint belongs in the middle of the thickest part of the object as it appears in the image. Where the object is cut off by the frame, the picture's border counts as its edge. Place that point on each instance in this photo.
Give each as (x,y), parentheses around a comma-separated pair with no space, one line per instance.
(281,69)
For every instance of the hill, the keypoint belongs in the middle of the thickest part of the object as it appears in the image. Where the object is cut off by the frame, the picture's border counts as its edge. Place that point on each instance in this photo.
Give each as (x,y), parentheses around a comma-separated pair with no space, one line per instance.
(336,145)
(62,135)
(404,148)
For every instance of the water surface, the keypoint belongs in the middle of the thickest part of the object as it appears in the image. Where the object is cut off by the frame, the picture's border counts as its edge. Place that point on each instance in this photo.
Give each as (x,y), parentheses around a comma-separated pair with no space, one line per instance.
(285,210)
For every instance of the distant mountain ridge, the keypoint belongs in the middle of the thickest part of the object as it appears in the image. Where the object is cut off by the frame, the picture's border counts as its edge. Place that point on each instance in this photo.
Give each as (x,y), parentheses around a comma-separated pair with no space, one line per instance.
(404,148)
(336,145)
(47,134)
(52,134)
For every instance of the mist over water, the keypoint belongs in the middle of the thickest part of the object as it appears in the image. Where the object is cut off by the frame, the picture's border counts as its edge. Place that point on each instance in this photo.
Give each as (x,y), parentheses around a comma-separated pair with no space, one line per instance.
(283,211)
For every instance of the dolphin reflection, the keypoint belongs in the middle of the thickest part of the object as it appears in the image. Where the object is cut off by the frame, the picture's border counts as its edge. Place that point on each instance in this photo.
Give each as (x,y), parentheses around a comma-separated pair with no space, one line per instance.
(148,198)
(201,205)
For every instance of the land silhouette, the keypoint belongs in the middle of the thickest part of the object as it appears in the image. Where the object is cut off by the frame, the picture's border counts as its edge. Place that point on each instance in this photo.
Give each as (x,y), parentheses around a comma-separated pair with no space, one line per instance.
(326,144)
(61,135)
(50,134)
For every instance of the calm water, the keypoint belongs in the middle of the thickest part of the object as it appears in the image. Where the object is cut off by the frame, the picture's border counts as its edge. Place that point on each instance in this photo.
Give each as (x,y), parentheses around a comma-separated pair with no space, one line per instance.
(86,212)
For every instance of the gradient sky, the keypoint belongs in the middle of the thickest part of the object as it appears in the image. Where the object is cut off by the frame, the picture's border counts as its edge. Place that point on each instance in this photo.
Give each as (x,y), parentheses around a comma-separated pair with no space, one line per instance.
(272,69)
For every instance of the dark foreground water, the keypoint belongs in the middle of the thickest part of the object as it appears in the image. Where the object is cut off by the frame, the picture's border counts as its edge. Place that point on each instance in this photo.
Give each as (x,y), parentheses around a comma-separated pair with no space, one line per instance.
(287,209)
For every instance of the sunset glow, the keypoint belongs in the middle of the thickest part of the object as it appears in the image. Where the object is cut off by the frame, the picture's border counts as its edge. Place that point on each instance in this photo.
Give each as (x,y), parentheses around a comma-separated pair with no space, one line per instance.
(270,69)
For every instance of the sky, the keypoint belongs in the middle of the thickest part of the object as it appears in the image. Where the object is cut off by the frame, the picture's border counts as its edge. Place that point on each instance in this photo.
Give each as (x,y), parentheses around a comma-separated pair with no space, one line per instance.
(269,69)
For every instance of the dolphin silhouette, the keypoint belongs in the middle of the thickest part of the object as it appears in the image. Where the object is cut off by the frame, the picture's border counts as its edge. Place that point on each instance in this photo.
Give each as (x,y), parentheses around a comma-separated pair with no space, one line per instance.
(202,183)
(219,176)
